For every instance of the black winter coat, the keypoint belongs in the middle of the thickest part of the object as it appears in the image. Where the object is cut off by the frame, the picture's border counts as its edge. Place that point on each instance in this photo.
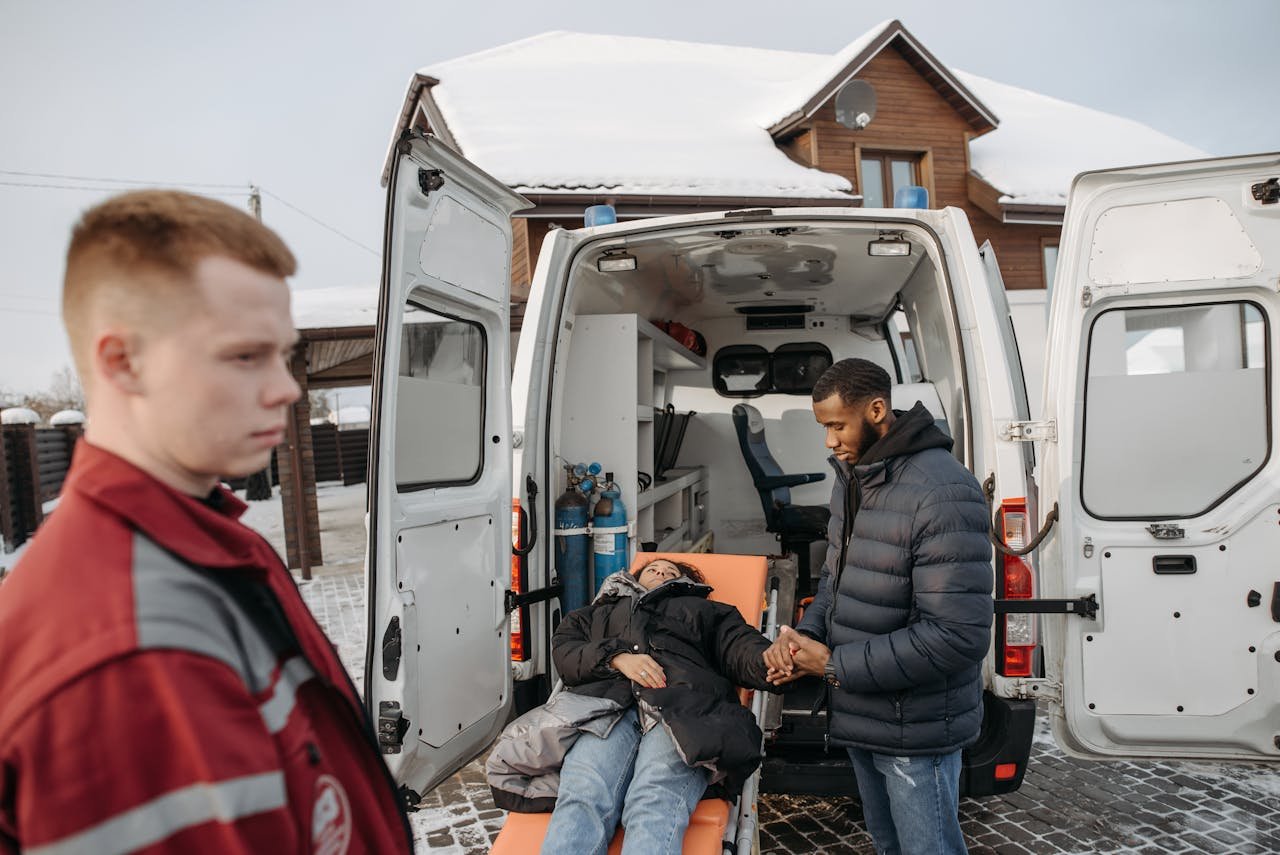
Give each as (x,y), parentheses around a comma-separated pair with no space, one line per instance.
(704,647)
(906,606)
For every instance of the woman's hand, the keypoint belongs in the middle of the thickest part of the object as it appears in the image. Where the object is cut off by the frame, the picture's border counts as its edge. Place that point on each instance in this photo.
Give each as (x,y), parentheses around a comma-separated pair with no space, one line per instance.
(640,668)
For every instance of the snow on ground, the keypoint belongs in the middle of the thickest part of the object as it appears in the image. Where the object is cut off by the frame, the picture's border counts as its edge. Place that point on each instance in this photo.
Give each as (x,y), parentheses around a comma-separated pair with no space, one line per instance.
(342,538)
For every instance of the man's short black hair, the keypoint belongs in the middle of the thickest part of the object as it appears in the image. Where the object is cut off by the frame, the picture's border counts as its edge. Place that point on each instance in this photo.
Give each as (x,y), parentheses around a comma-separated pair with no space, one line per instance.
(854,380)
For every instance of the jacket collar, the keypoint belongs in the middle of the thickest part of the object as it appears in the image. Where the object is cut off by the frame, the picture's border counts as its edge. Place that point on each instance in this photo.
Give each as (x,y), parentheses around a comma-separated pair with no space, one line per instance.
(181,524)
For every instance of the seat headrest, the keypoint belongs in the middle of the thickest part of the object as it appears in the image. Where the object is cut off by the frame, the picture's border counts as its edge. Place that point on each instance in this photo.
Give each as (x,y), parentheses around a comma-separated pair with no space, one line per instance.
(755,421)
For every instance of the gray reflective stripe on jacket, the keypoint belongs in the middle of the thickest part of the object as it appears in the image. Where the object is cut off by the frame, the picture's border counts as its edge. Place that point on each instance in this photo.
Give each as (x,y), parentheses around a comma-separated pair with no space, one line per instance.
(179,608)
(523,768)
(166,815)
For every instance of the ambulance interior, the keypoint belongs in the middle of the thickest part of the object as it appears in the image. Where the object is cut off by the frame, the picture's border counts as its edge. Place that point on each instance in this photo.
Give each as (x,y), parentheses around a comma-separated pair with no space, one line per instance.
(775,305)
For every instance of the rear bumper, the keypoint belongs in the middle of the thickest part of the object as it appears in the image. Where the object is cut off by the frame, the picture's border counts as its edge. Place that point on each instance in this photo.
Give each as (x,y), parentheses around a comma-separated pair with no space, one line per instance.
(796,763)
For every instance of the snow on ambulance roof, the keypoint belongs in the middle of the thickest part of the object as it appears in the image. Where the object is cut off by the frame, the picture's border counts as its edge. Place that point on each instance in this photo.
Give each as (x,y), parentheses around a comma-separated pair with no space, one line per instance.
(569,112)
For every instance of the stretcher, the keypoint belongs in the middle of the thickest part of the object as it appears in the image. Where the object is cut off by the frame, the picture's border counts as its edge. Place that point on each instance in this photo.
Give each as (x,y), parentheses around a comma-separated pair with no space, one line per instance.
(717,826)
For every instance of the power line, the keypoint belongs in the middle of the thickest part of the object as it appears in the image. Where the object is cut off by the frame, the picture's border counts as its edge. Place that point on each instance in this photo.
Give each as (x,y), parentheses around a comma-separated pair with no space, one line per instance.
(321,223)
(242,191)
(6,309)
(116,180)
(102,189)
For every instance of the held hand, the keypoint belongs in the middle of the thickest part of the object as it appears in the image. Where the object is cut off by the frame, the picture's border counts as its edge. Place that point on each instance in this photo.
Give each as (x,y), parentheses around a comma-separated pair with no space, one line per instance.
(641,668)
(779,657)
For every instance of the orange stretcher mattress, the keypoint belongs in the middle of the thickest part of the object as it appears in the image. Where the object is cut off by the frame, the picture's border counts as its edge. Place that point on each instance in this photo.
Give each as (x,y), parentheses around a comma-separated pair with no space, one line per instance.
(737,579)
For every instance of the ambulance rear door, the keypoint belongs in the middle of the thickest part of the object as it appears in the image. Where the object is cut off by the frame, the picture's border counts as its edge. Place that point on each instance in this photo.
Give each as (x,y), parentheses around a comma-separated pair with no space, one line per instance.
(437,671)
(1161,381)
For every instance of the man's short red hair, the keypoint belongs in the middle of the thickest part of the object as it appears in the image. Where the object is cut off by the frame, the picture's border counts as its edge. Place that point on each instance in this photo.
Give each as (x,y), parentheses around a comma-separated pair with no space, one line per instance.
(141,249)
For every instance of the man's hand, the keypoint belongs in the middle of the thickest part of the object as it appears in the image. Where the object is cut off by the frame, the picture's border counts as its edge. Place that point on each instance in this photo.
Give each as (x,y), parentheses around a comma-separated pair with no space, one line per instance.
(640,668)
(809,656)
(792,656)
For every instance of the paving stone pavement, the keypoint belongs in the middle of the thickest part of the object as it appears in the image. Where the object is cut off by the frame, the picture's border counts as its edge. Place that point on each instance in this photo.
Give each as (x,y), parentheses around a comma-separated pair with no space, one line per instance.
(1064,805)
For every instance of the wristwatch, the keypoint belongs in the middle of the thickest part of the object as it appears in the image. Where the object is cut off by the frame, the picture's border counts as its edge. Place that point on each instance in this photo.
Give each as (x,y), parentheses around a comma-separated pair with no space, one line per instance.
(829,674)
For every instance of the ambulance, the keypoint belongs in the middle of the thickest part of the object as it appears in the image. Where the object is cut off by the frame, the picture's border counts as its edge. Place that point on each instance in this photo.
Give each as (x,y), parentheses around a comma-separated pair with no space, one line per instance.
(1136,521)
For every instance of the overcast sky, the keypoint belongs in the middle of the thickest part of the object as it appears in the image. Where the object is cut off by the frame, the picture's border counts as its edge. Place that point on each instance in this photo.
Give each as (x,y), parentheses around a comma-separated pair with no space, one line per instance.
(301,101)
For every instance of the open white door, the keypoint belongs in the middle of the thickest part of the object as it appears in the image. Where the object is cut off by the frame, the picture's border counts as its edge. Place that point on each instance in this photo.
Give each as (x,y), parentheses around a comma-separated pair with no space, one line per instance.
(437,675)
(1162,379)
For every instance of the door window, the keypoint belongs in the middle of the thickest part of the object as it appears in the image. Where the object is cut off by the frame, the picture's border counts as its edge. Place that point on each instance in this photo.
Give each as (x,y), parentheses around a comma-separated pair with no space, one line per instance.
(1176,409)
(439,401)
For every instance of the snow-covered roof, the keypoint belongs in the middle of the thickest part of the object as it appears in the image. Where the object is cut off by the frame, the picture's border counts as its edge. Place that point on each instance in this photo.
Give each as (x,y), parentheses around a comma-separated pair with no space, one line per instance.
(66,417)
(1042,143)
(341,306)
(574,113)
(579,113)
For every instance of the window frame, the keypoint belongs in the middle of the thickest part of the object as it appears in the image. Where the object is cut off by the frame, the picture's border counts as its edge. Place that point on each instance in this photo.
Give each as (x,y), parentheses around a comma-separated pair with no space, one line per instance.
(1267,408)
(418,486)
(922,161)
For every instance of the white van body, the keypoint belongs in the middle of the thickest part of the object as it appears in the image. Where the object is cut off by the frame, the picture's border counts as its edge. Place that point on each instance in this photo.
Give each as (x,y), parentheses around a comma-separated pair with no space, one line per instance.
(457,437)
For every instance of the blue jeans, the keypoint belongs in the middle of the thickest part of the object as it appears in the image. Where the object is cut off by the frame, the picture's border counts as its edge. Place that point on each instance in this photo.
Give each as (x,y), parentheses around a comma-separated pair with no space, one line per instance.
(638,778)
(911,804)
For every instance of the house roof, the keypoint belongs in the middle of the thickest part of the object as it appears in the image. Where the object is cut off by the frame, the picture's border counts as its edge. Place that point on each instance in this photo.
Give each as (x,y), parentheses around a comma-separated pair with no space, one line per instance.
(577,114)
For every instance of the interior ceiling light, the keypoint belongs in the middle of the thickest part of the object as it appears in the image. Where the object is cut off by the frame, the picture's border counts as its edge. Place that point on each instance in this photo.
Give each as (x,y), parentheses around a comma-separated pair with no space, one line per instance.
(615,261)
(889,244)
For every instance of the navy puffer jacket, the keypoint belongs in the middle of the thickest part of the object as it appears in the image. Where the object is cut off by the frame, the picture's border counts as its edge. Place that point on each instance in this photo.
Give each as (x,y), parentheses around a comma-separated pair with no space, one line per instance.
(906,607)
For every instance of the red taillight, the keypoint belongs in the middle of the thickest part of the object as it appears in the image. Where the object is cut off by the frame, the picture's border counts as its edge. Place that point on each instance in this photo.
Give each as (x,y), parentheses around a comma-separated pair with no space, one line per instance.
(1006,771)
(1017,639)
(519,616)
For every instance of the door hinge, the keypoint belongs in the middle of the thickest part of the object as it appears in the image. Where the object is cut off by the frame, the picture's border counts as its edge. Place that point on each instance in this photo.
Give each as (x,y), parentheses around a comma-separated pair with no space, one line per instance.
(1030,431)
(1086,297)
(1028,688)
(391,727)
(1267,192)
(1083,606)
(1166,531)
(430,180)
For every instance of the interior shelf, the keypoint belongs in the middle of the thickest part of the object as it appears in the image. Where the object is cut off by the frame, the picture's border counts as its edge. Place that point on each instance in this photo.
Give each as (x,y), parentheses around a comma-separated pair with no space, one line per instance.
(677,480)
(667,352)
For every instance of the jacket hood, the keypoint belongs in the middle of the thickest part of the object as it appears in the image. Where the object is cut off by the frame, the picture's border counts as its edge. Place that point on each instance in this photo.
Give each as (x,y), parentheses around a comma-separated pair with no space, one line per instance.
(911,432)
(623,584)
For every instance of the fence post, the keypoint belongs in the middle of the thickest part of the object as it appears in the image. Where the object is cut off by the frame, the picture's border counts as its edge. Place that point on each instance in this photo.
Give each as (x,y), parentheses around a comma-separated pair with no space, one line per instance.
(8,511)
(296,461)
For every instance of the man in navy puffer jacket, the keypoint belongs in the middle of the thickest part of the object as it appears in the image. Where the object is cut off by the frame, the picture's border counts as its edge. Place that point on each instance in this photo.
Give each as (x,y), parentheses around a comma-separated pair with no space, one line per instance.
(902,618)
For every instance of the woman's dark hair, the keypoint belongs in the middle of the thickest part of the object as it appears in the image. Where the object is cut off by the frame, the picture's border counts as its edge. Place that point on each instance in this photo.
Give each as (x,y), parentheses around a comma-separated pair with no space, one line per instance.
(686,570)
(854,380)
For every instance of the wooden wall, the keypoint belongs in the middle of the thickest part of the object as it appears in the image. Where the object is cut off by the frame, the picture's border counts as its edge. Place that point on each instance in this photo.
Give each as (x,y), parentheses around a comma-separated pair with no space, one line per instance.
(912,116)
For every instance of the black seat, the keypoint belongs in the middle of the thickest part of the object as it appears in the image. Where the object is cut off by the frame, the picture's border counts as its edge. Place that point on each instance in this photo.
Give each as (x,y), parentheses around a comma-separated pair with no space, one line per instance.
(796,526)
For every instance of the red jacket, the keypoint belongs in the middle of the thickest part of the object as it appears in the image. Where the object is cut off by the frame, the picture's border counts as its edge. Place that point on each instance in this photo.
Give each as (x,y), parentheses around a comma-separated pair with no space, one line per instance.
(163,688)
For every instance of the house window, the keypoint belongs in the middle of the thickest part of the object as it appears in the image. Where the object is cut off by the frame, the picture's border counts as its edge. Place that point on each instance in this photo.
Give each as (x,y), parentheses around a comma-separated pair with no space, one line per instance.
(884,173)
(1049,258)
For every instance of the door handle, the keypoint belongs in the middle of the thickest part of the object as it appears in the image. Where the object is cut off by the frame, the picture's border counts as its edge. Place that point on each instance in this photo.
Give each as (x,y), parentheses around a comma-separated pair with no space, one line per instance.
(1173,565)
(1275,603)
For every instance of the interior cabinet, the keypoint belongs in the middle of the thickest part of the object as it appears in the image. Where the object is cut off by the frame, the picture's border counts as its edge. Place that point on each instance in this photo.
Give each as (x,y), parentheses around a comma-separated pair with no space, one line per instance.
(617,372)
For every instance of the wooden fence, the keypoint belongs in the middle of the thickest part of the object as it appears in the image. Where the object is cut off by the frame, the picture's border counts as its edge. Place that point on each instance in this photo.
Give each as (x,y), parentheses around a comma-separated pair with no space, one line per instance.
(34,465)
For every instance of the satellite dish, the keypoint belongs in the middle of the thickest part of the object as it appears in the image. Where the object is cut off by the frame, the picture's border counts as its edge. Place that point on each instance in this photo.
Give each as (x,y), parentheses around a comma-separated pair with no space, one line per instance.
(856,104)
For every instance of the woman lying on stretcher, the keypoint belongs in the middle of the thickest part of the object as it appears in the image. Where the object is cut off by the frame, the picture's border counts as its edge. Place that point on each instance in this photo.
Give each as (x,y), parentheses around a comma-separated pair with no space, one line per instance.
(649,717)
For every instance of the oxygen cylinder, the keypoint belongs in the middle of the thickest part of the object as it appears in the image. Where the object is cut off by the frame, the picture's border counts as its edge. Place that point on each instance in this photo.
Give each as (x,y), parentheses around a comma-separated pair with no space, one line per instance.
(609,523)
(571,548)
